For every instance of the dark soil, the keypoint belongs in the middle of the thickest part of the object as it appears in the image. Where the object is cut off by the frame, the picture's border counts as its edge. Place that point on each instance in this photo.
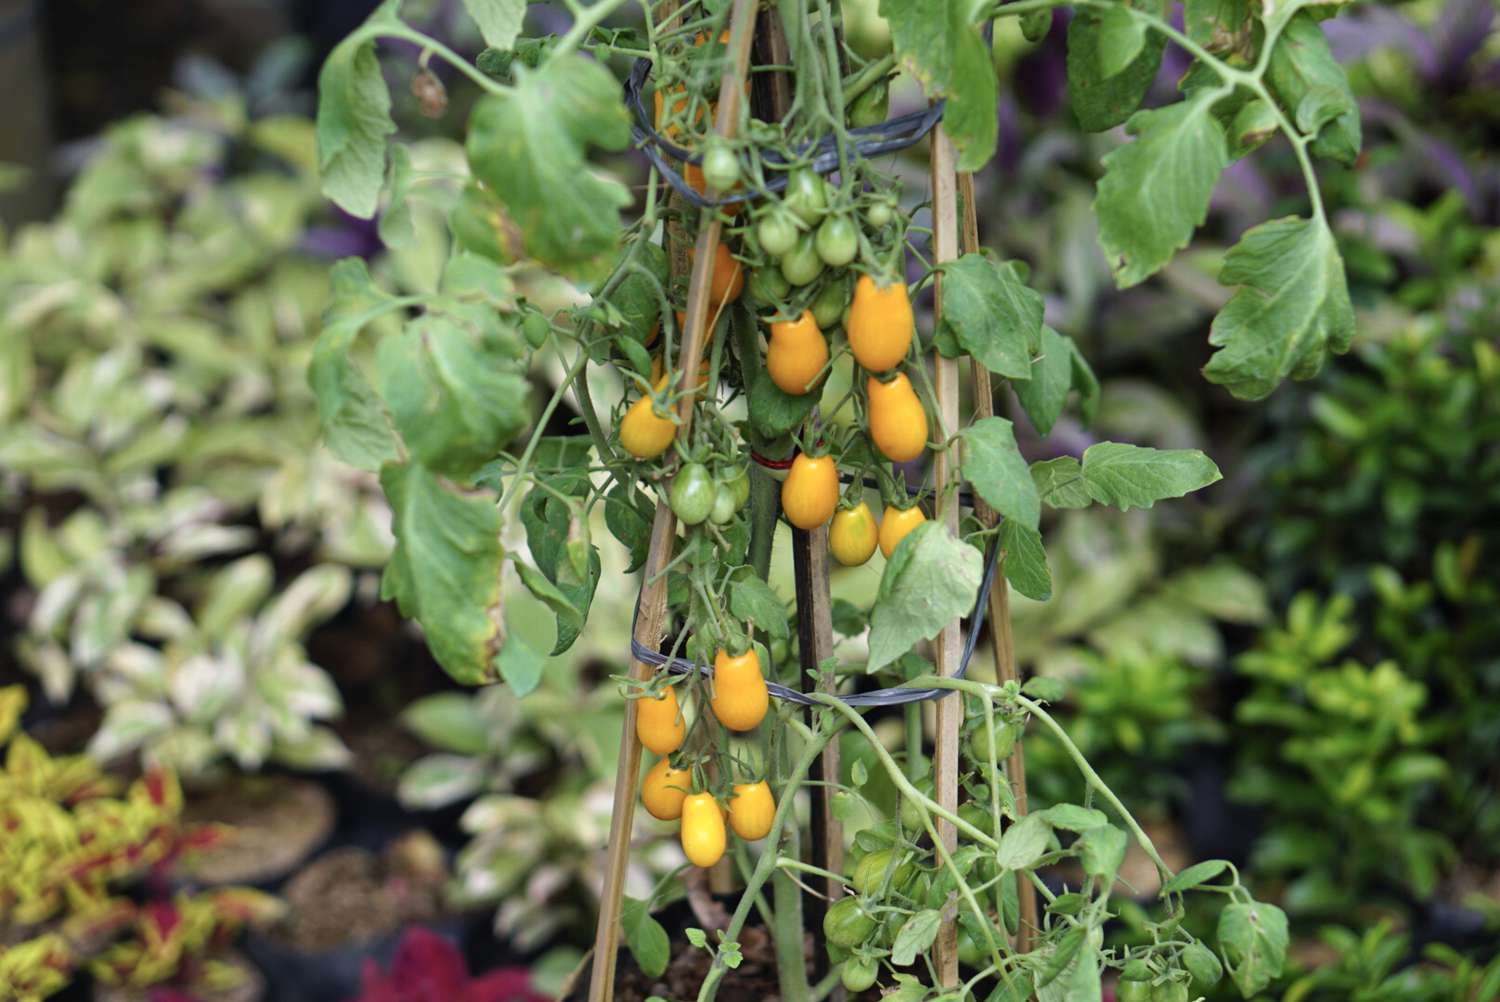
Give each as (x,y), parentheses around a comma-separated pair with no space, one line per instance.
(276,822)
(753,981)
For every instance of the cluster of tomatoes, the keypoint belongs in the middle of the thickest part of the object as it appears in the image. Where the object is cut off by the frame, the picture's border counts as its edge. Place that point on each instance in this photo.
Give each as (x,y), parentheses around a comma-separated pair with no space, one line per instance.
(739,702)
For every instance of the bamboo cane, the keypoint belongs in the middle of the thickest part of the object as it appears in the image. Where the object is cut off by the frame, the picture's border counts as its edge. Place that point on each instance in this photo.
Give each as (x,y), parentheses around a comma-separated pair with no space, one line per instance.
(949,643)
(1001,638)
(649,626)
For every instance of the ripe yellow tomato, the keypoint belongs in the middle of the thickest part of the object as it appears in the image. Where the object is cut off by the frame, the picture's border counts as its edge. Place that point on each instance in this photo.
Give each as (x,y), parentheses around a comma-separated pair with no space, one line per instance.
(751,810)
(740,697)
(728,278)
(880,324)
(645,430)
(852,536)
(664,789)
(898,424)
(895,524)
(659,723)
(703,835)
(811,491)
(797,354)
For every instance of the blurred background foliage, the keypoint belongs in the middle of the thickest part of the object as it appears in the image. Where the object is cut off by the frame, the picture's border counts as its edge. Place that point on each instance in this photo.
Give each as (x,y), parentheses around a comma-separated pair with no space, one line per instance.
(1299,668)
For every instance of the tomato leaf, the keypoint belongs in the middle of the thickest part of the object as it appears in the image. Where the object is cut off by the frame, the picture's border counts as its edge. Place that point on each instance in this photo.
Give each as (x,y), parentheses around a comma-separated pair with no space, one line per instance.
(1193,876)
(445,570)
(1120,39)
(1292,308)
(1253,939)
(1155,190)
(916,936)
(1026,560)
(752,600)
(930,580)
(1100,99)
(1134,476)
(1043,395)
(1059,482)
(568,615)
(1023,843)
(354,118)
(456,394)
(938,43)
(499,20)
(774,413)
(993,464)
(1102,850)
(1309,81)
(988,312)
(529,146)
(356,427)
(645,936)
(1073,817)
(627,515)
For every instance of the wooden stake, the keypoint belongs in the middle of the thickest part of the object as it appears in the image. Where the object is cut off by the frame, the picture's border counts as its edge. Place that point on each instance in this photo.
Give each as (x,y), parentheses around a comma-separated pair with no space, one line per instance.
(1001,637)
(949,645)
(653,608)
(815,645)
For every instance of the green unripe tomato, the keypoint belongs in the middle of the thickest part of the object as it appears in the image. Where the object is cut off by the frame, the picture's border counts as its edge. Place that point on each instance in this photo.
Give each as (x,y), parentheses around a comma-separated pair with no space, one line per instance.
(977,815)
(1003,738)
(776,232)
(768,285)
(1135,970)
(911,817)
(535,328)
(970,952)
(847,924)
(721,168)
(1133,991)
(837,241)
(1170,991)
(801,264)
(828,305)
(869,873)
(692,494)
(858,974)
(724,507)
(806,196)
(879,214)
(738,480)
(871,107)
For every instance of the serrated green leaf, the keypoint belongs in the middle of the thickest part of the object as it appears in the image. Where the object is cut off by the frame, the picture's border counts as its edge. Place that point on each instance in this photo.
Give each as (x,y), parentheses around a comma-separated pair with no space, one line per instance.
(1221,26)
(752,601)
(1045,688)
(1292,308)
(529,146)
(1087,385)
(774,413)
(1023,843)
(930,580)
(356,427)
(1121,38)
(941,47)
(988,312)
(456,395)
(993,464)
(445,570)
(354,119)
(1155,190)
(1026,560)
(499,21)
(1103,100)
(1102,850)
(1043,395)
(1134,476)
(1253,938)
(916,936)
(1059,483)
(1310,83)
(1198,873)
(627,515)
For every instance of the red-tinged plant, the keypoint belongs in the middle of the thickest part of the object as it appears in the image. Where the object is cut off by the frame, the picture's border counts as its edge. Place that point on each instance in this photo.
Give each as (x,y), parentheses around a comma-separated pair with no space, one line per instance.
(428,968)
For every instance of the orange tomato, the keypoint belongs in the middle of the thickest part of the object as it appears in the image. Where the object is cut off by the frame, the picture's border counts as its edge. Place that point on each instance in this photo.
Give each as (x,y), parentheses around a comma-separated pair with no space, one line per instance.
(664,789)
(659,723)
(895,524)
(880,324)
(811,491)
(898,423)
(751,810)
(853,535)
(740,698)
(728,278)
(646,431)
(703,835)
(796,354)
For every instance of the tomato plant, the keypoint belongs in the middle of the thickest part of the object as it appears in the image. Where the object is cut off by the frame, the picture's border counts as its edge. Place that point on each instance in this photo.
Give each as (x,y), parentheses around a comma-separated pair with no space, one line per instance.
(778,190)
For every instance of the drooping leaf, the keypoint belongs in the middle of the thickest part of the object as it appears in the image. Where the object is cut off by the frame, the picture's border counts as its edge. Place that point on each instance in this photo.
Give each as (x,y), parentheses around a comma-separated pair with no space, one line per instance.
(499,21)
(529,146)
(938,43)
(988,312)
(931,579)
(1253,939)
(993,464)
(354,119)
(645,937)
(445,570)
(1102,850)
(1043,395)
(1310,83)
(1026,560)
(456,395)
(1155,190)
(916,936)
(1023,843)
(1103,100)
(1292,308)
(1133,476)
